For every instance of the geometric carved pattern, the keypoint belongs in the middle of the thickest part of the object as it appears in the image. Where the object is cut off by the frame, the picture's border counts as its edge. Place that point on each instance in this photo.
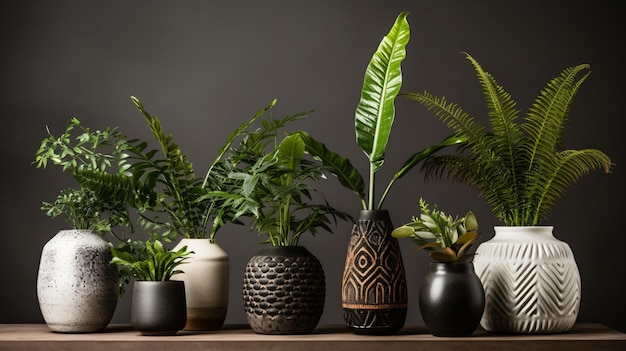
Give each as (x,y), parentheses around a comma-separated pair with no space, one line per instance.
(530,287)
(374,291)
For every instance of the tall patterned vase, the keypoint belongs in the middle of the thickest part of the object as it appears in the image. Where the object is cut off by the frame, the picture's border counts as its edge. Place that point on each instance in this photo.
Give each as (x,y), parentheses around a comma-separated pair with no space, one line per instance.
(374,291)
(206,277)
(531,281)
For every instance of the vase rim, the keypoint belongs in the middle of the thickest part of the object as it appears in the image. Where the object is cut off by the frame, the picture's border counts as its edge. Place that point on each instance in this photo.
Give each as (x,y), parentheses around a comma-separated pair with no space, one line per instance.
(523,226)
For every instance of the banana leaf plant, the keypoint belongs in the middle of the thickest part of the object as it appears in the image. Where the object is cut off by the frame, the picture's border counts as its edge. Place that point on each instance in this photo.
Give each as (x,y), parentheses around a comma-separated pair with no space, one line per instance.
(374,118)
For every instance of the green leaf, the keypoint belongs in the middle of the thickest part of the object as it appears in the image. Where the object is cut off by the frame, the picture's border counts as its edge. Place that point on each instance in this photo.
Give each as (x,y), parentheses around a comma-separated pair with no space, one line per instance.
(418,157)
(383,79)
(341,167)
(376,109)
(291,151)
(402,232)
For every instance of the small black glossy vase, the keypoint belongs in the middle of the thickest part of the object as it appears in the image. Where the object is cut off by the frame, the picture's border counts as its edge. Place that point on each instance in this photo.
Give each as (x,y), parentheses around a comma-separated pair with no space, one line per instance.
(374,291)
(451,299)
(284,291)
(159,307)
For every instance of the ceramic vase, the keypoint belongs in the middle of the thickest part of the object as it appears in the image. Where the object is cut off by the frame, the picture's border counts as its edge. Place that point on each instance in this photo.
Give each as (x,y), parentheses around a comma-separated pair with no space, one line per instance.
(531,281)
(77,286)
(158,307)
(206,277)
(451,299)
(374,291)
(284,291)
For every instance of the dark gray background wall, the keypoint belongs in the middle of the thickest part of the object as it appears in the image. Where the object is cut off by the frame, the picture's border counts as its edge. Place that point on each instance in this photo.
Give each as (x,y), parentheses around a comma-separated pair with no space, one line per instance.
(204,67)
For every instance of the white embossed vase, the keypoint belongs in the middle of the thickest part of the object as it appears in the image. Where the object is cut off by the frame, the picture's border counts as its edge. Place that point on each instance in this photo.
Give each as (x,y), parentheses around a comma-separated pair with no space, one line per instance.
(77,285)
(206,277)
(531,281)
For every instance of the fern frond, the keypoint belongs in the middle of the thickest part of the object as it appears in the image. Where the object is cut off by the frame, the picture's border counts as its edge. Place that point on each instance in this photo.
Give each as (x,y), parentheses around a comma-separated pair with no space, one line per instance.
(519,169)
(549,113)
(566,168)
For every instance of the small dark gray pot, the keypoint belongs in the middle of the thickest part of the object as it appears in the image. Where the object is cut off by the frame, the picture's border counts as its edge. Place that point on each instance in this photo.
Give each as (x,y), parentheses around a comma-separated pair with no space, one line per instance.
(451,299)
(284,291)
(159,308)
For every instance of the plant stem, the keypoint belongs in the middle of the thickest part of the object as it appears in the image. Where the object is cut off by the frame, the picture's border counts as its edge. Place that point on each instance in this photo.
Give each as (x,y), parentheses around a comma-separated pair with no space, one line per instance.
(370,205)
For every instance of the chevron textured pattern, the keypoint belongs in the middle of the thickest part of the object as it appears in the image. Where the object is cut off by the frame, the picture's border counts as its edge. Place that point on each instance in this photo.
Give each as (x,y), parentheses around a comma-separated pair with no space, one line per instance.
(531,281)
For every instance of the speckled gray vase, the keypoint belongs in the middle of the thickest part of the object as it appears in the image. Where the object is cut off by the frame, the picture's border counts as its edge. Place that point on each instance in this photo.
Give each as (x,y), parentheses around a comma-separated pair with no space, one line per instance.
(284,291)
(77,286)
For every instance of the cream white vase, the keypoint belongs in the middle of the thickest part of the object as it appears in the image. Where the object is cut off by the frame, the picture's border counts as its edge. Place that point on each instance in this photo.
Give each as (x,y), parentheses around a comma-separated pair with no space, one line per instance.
(206,277)
(77,286)
(531,281)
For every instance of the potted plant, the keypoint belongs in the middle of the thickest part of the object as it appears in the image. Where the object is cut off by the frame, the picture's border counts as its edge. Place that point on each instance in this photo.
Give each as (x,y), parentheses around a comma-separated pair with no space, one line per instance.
(158,303)
(81,254)
(521,170)
(284,284)
(172,199)
(366,312)
(451,297)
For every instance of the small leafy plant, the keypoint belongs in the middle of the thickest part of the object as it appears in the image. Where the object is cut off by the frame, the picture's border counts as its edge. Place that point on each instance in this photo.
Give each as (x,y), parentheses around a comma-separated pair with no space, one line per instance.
(277,180)
(433,230)
(81,151)
(151,262)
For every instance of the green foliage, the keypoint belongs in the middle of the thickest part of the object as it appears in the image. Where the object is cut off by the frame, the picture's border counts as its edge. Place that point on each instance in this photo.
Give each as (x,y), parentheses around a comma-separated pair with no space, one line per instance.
(519,168)
(374,118)
(82,151)
(277,181)
(151,262)
(433,230)
(170,196)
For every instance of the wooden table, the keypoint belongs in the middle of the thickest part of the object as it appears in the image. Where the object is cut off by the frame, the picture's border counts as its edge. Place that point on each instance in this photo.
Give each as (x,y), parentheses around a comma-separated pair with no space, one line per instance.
(33,337)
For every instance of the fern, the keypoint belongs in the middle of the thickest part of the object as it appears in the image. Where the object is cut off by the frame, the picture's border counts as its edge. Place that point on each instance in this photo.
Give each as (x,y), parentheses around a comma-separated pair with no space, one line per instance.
(520,169)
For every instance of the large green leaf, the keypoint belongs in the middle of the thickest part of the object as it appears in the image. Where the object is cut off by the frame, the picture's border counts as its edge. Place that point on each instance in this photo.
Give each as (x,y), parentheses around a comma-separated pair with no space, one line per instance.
(383,79)
(419,157)
(341,167)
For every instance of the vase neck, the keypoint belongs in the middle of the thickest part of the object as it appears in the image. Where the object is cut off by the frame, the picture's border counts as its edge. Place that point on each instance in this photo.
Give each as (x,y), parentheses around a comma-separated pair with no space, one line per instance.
(373,215)
(516,233)
(452,267)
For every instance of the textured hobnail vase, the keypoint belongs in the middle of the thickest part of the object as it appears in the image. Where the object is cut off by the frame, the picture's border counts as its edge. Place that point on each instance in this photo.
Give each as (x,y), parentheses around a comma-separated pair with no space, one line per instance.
(451,299)
(206,277)
(284,291)
(374,290)
(77,285)
(531,281)
(158,307)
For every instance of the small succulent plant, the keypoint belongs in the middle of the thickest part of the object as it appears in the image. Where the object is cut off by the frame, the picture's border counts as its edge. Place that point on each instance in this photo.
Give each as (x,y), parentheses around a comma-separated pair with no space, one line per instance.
(448,239)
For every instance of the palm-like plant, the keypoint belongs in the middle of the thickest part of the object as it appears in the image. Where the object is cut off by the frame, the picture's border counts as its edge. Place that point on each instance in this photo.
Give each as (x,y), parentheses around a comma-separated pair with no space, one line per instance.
(152,261)
(520,169)
(166,191)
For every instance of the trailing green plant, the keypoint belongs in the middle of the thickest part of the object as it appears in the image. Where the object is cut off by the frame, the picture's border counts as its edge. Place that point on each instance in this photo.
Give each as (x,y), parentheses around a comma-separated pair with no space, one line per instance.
(448,239)
(80,150)
(374,118)
(520,169)
(170,196)
(151,262)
